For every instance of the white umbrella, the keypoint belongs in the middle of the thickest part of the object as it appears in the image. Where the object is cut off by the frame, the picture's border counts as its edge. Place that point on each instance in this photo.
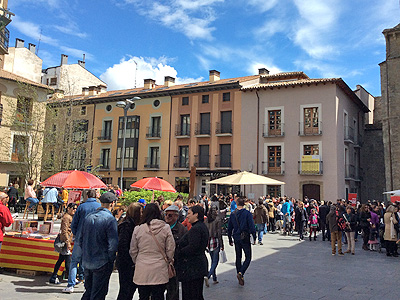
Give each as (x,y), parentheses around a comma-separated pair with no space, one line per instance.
(393,193)
(245,178)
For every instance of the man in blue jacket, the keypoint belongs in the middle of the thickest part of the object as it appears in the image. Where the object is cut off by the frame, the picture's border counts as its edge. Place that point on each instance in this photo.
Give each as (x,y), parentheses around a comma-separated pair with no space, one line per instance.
(286,213)
(83,210)
(240,226)
(99,241)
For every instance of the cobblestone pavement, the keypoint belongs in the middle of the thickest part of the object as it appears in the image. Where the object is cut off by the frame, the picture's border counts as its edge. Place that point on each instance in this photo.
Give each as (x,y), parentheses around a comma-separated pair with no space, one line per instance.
(282,268)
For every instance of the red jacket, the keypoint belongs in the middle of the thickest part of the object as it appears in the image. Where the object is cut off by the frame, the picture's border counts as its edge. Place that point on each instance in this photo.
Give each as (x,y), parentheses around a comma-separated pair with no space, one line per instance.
(5,219)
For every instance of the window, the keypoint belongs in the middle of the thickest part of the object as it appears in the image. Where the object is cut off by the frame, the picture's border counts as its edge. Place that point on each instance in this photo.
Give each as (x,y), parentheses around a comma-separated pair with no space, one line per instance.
(185,125)
(20,148)
(83,111)
(311,149)
(105,158)
(130,160)
(109,107)
(53,81)
(226,122)
(132,127)
(204,156)
(311,122)
(107,130)
(24,109)
(185,100)
(274,190)
(224,159)
(205,123)
(183,157)
(156,103)
(274,159)
(226,97)
(155,130)
(80,131)
(154,159)
(47,81)
(274,123)
(205,98)
(78,158)
(131,142)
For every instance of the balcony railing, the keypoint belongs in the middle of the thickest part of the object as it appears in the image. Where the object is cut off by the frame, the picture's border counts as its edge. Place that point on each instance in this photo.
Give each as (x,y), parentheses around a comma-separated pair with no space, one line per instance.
(273,168)
(273,132)
(202,161)
(152,163)
(310,167)
(182,131)
(223,161)
(350,171)
(202,129)
(153,132)
(348,134)
(310,128)
(4,39)
(181,162)
(104,136)
(223,128)
(104,164)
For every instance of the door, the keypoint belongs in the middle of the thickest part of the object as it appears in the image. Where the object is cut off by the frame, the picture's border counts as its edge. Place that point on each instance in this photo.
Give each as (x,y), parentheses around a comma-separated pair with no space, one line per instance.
(204,157)
(226,122)
(312,191)
(205,123)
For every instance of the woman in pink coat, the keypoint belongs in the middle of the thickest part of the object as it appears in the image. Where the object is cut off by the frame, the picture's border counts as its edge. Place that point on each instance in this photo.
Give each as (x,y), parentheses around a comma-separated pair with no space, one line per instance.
(151,269)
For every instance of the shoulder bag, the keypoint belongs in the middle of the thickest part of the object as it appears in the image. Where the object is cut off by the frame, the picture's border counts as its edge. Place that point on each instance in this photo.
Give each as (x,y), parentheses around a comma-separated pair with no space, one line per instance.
(171,268)
(58,244)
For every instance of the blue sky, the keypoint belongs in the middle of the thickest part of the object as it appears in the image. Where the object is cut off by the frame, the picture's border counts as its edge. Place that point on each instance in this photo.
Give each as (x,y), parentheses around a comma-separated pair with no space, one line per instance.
(187,38)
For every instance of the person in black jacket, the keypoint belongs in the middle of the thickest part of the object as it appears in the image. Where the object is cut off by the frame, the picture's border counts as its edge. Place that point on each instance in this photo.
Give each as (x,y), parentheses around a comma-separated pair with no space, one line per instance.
(365,218)
(300,218)
(323,212)
(192,264)
(351,225)
(124,262)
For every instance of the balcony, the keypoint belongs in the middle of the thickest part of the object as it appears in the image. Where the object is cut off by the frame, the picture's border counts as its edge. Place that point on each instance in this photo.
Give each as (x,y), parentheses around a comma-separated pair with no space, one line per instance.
(153,133)
(4,39)
(308,129)
(348,134)
(202,161)
(104,164)
(273,132)
(152,163)
(104,136)
(310,167)
(273,168)
(181,163)
(223,129)
(223,161)
(182,131)
(359,141)
(202,130)
(350,172)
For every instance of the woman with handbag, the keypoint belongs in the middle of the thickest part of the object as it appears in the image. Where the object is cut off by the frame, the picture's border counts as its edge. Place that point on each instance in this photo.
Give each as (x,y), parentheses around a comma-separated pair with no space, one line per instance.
(390,235)
(152,251)
(191,266)
(66,237)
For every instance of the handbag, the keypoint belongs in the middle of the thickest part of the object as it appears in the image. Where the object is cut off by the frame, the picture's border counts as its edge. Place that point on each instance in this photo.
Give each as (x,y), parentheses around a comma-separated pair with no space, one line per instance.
(222,256)
(58,244)
(171,268)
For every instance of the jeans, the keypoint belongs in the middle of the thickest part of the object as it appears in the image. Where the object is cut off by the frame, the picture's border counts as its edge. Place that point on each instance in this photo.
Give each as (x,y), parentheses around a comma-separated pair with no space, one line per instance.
(155,291)
(336,236)
(351,244)
(75,259)
(260,232)
(126,285)
(246,247)
(33,201)
(61,258)
(214,263)
(193,290)
(96,282)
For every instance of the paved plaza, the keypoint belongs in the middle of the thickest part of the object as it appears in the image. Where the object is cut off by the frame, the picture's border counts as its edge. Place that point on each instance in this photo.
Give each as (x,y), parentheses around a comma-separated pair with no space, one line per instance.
(282,268)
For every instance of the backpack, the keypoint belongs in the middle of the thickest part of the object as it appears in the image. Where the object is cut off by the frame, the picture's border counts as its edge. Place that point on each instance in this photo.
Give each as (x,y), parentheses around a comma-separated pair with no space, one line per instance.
(340,222)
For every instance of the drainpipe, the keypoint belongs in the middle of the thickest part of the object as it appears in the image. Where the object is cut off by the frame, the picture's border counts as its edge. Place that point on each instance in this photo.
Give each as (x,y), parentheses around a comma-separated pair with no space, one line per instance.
(258,130)
(169,137)
(388,120)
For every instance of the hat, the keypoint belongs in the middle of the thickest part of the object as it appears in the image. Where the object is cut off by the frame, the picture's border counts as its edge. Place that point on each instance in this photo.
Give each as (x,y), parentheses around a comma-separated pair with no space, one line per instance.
(172,208)
(108,197)
(142,201)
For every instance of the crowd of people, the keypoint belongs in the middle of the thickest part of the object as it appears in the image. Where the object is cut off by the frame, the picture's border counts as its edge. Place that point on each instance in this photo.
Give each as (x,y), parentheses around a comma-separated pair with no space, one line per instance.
(155,246)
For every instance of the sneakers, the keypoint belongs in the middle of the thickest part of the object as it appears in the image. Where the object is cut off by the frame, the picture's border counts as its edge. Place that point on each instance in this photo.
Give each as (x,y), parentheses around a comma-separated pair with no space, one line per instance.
(68,290)
(54,281)
(215,281)
(206,281)
(261,243)
(240,278)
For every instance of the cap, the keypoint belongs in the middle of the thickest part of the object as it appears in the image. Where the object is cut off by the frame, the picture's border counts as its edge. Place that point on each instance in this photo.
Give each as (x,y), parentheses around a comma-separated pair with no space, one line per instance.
(142,201)
(108,197)
(172,208)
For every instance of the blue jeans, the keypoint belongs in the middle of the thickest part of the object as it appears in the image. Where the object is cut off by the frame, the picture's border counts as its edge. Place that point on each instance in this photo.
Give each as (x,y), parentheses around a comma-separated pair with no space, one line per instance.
(75,259)
(246,247)
(96,282)
(214,263)
(33,201)
(260,231)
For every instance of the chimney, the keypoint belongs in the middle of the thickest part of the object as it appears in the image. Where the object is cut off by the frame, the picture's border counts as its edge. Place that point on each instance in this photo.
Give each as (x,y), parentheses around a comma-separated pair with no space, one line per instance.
(81,63)
(32,48)
(169,81)
(214,75)
(19,43)
(101,89)
(263,71)
(85,91)
(149,83)
(93,90)
(64,59)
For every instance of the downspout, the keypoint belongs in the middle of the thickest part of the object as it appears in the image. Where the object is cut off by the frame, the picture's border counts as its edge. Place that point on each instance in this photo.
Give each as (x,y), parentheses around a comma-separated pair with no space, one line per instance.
(258,130)
(388,120)
(169,137)
(91,144)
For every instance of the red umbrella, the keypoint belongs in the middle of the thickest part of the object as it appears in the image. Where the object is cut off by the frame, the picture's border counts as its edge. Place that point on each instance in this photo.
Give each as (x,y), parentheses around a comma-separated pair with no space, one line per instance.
(154,183)
(74,180)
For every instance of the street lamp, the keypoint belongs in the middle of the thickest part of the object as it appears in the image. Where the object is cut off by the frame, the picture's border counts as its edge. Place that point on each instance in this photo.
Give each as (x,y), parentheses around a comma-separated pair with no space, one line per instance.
(125,104)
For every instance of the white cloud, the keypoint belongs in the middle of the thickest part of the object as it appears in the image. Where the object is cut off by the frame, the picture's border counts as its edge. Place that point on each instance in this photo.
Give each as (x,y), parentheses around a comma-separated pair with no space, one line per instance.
(269,28)
(254,66)
(32,30)
(263,5)
(122,75)
(71,28)
(192,18)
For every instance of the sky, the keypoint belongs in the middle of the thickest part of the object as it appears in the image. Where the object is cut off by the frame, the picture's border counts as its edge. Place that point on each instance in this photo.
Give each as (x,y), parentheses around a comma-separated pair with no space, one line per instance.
(126,41)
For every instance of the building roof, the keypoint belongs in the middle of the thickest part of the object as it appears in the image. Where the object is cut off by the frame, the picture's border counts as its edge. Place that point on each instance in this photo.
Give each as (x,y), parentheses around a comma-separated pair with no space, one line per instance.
(13,77)
(396,28)
(308,82)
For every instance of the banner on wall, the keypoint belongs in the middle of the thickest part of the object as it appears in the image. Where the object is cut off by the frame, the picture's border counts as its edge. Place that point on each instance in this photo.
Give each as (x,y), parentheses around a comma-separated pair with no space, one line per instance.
(353,198)
(394,199)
